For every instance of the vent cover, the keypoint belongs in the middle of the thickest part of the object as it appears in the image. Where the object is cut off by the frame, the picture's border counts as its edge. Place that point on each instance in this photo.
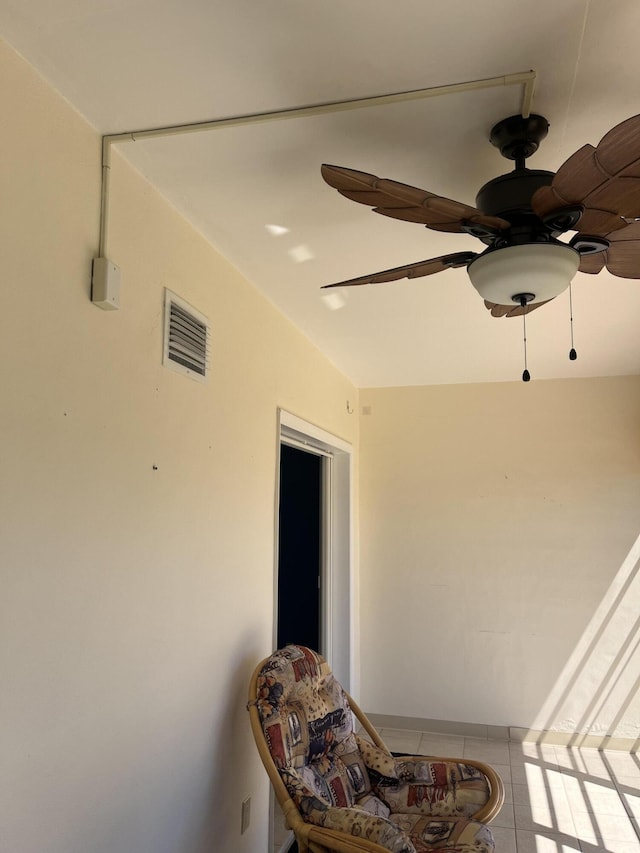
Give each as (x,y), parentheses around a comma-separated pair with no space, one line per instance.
(186,338)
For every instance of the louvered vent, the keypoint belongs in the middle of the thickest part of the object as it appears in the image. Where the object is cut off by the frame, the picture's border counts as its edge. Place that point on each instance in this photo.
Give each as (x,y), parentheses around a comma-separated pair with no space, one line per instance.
(186,338)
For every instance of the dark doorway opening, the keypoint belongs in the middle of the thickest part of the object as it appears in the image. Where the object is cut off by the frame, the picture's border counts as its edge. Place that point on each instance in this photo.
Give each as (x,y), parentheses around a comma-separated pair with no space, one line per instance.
(300,548)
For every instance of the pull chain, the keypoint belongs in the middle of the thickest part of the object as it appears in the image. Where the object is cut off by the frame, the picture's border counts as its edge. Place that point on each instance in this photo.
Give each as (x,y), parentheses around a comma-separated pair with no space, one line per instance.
(572,353)
(526,376)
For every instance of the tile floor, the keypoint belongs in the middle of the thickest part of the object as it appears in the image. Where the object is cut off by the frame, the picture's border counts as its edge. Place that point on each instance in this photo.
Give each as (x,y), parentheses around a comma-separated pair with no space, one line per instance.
(558,799)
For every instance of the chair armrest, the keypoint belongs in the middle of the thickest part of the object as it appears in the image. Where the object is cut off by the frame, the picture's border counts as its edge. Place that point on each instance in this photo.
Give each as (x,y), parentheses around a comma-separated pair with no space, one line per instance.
(436,786)
(442,787)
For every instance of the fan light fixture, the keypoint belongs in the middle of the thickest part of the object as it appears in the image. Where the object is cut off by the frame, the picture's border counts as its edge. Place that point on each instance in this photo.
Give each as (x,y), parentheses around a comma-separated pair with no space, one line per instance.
(541,270)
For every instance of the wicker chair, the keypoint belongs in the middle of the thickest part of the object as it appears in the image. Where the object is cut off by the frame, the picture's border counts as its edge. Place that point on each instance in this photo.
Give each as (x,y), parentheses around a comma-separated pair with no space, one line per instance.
(342,790)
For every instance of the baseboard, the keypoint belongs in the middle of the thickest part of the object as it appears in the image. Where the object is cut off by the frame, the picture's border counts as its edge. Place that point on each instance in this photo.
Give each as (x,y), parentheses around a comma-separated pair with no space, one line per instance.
(577,739)
(512,733)
(441,727)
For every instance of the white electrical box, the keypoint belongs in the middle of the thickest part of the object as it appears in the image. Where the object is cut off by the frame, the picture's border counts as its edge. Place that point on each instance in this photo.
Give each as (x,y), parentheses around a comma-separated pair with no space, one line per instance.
(105,284)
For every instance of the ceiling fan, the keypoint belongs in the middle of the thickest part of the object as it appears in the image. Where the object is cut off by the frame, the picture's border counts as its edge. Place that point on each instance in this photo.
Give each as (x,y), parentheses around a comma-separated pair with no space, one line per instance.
(519,216)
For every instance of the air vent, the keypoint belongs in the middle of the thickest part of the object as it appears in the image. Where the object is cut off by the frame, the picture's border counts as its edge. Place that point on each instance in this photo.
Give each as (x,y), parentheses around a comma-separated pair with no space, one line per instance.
(186,338)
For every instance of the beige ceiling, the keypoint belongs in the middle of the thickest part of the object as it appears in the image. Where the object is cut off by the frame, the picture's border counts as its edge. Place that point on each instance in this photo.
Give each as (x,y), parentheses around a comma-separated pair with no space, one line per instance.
(133,64)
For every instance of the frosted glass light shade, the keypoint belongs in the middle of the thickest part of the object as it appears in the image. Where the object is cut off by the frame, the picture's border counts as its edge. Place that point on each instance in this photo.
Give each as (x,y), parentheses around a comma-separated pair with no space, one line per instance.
(543,269)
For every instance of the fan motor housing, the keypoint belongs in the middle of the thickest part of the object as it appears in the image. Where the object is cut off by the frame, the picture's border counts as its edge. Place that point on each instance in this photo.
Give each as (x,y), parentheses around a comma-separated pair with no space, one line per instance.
(510,194)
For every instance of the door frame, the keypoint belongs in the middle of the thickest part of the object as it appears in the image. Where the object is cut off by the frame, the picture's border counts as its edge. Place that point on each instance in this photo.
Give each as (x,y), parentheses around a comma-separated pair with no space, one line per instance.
(338,628)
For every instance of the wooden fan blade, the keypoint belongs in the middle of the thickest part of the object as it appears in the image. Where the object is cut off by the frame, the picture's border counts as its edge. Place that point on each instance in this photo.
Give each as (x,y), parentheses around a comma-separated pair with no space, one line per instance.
(416,214)
(496,310)
(546,200)
(621,259)
(619,148)
(341,178)
(579,175)
(627,234)
(401,201)
(605,180)
(599,222)
(593,263)
(513,310)
(421,268)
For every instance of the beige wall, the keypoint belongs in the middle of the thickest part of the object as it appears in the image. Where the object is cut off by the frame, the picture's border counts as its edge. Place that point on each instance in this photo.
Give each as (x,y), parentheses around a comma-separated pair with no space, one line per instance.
(497,583)
(135,601)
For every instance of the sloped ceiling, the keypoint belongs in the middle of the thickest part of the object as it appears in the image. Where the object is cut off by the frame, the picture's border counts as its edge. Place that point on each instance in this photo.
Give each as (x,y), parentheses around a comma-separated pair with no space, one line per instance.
(134,64)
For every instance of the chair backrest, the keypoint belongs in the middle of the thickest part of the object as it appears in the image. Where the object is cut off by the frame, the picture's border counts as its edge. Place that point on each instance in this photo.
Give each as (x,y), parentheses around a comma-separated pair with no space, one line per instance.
(308,726)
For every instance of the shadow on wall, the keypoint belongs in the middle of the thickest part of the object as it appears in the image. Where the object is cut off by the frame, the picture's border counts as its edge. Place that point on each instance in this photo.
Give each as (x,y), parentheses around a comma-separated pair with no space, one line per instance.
(602,677)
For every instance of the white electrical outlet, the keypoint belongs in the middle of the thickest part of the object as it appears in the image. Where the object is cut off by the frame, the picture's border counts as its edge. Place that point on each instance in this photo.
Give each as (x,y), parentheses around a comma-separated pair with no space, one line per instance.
(246,815)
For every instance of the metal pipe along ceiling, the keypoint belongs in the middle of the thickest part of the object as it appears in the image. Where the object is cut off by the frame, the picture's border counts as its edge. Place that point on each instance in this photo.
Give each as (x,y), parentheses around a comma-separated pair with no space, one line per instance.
(524,78)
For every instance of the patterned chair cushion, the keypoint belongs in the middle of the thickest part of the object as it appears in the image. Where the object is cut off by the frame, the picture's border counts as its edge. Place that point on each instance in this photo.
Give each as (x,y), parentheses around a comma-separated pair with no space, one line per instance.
(308,726)
(435,787)
(362,821)
(380,764)
(422,785)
